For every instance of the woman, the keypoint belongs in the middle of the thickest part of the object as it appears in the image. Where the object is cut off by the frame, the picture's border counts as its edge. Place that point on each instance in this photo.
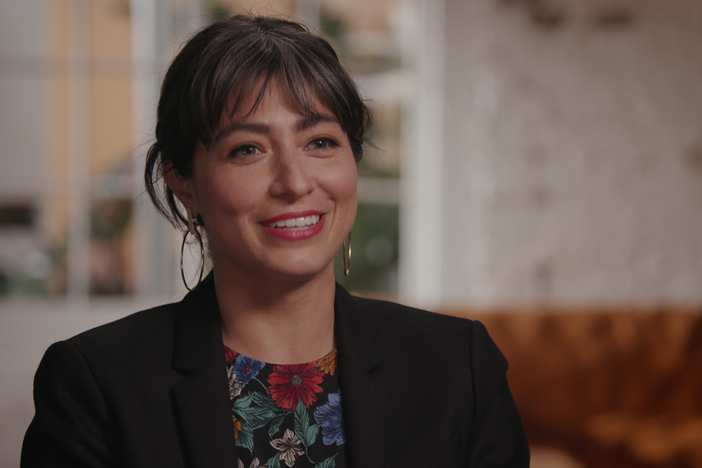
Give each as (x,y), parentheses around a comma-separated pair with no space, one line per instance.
(268,362)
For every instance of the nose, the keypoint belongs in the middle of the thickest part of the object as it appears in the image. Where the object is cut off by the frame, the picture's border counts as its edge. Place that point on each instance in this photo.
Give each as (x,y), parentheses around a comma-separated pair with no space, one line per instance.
(292,178)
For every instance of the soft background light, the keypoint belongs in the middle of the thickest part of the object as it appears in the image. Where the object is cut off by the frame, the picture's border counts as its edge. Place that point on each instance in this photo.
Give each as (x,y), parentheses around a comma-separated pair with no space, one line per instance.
(537,164)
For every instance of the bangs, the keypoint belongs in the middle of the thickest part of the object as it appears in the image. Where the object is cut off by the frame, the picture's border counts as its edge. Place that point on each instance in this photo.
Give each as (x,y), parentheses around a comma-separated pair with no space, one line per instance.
(224,83)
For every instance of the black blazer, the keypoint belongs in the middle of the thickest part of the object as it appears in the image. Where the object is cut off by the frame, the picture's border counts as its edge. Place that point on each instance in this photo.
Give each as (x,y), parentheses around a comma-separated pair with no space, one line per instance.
(150,391)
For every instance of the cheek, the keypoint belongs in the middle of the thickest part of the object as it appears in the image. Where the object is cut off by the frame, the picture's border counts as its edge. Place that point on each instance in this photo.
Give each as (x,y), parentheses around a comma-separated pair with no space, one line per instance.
(224,195)
(343,189)
(343,182)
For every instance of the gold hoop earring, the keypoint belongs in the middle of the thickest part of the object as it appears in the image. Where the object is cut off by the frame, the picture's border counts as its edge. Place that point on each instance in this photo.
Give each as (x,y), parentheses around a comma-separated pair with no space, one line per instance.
(346,255)
(195,233)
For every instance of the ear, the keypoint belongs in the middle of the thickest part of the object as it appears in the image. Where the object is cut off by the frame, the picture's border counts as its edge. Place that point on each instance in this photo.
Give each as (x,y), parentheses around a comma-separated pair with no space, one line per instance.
(181,187)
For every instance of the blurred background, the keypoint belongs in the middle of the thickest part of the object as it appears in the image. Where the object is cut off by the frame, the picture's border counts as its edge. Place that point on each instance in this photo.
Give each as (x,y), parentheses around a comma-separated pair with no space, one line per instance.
(537,165)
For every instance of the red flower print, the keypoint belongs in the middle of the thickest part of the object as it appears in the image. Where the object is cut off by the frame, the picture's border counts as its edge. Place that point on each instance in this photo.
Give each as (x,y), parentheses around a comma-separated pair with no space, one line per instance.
(289,383)
(229,354)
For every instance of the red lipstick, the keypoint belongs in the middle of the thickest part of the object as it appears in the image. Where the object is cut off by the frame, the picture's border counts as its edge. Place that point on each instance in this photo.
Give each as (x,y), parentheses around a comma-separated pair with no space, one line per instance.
(295,225)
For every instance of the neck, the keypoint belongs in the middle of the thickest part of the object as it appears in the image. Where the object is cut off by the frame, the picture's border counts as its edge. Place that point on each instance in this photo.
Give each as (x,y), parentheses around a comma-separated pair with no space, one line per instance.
(281,322)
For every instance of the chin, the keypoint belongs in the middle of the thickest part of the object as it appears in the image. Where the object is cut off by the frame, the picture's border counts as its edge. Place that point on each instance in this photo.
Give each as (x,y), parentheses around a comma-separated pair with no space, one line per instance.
(302,271)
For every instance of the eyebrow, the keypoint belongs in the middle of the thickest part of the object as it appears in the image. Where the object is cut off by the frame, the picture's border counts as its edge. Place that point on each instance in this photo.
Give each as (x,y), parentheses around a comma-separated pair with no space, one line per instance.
(308,121)
(240,127)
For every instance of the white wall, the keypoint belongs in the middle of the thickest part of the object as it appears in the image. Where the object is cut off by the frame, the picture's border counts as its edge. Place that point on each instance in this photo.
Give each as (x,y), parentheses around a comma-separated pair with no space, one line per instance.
(572,154)
(23,98)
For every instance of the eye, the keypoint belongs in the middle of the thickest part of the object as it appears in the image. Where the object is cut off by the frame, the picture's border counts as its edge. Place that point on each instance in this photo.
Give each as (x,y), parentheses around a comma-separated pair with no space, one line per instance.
(322,143)
(244,150)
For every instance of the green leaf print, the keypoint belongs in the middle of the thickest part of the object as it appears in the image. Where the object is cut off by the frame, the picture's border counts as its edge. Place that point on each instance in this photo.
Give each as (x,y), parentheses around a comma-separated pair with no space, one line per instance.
(256,409)
(275,425)
(311,434)
(260,417)
(302,420)
(328,463)
(243,402)
(306,433)
(273,462)
(245,437)
(265,400)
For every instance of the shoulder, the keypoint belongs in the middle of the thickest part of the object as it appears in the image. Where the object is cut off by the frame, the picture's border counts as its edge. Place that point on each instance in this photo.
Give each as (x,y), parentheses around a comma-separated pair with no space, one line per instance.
(129,360)
(402,331)
(112,376)
(132,348)
(158,326)
(406,319)
(393,311)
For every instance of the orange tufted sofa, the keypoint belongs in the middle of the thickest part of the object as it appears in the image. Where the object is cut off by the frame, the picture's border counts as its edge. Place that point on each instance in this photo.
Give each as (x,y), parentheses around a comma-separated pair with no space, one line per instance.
(612,388)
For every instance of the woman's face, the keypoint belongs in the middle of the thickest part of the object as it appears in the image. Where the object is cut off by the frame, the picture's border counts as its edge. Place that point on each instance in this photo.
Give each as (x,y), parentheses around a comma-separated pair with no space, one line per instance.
(276,189)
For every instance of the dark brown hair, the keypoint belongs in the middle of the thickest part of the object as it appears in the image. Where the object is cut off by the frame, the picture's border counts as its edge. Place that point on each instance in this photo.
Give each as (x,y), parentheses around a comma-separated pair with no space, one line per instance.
(229,61)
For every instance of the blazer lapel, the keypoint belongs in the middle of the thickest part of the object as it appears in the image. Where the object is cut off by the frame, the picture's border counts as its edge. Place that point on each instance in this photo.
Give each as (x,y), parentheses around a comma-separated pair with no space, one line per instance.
(201,399)
(364,400)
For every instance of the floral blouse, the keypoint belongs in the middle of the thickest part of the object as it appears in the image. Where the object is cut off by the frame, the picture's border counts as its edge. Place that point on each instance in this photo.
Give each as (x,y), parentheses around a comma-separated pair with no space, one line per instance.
(286,415)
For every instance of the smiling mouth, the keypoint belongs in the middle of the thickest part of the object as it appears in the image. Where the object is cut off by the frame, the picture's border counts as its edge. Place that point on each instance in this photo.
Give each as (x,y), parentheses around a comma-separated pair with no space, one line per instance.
(303,222)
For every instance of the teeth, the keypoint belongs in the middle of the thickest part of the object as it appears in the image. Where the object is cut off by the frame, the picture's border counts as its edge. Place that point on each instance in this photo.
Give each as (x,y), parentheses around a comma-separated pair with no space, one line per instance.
(303,222)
